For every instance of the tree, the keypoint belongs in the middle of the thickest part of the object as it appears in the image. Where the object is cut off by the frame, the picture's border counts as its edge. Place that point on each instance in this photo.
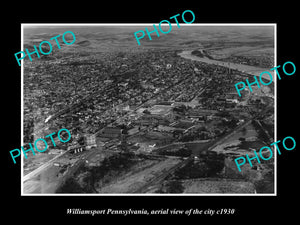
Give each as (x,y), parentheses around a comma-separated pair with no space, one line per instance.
(70,186)
(244,130)
(242,139)
(146,112)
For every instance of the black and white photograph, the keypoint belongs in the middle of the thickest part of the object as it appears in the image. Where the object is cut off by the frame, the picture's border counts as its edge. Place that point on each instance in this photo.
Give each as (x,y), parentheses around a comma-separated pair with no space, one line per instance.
(158,115)
(143,111)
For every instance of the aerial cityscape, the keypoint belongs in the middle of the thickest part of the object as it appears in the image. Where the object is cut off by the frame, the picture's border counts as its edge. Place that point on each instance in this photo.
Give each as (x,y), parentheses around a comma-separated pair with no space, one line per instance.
(160,118)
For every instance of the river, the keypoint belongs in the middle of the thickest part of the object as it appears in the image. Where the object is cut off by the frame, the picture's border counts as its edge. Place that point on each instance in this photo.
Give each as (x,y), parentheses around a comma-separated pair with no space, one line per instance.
(253,70)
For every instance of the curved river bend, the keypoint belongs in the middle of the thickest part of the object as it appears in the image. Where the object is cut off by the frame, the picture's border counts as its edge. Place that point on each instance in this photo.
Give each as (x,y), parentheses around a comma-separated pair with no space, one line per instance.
(253,70)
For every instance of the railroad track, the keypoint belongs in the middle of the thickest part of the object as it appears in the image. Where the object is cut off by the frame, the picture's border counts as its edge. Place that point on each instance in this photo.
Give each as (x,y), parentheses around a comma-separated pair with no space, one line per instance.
(161,177)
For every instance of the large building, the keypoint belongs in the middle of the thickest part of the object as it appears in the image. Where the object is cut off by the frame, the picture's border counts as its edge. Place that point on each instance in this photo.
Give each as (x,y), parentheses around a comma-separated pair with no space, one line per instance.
(90,140)
(110,132)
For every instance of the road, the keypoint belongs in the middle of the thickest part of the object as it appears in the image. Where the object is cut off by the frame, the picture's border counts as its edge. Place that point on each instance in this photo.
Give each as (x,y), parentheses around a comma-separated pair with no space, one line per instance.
(265,131)
(49,172)
(161,177)
(42,167)
(72,107)
(217,142)
(91,154)
(185,54)
(43,179)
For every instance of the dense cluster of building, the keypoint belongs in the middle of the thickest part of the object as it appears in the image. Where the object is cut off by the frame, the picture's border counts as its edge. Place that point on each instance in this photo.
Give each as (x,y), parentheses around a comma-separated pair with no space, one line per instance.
(142,91)
(150,103)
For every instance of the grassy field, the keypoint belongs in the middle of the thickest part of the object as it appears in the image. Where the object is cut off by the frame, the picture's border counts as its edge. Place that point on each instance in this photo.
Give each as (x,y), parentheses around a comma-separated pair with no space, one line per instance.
(218,187)
(35,161)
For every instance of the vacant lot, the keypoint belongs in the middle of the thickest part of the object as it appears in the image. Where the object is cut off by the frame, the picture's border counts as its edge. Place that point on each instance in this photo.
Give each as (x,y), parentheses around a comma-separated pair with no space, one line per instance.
(35,161)
(138,176)
(221,186)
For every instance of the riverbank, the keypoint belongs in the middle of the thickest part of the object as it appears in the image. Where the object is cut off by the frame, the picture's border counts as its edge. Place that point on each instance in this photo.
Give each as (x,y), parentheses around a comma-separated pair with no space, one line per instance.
(256,71)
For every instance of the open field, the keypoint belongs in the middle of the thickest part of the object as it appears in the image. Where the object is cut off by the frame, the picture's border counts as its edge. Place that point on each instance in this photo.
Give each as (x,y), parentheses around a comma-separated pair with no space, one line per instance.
(218,186)
(36,161)
(234,144)
(138,176)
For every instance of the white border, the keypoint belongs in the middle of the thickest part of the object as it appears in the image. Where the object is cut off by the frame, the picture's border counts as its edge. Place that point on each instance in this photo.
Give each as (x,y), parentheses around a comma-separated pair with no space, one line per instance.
(22,111)
(151,24)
